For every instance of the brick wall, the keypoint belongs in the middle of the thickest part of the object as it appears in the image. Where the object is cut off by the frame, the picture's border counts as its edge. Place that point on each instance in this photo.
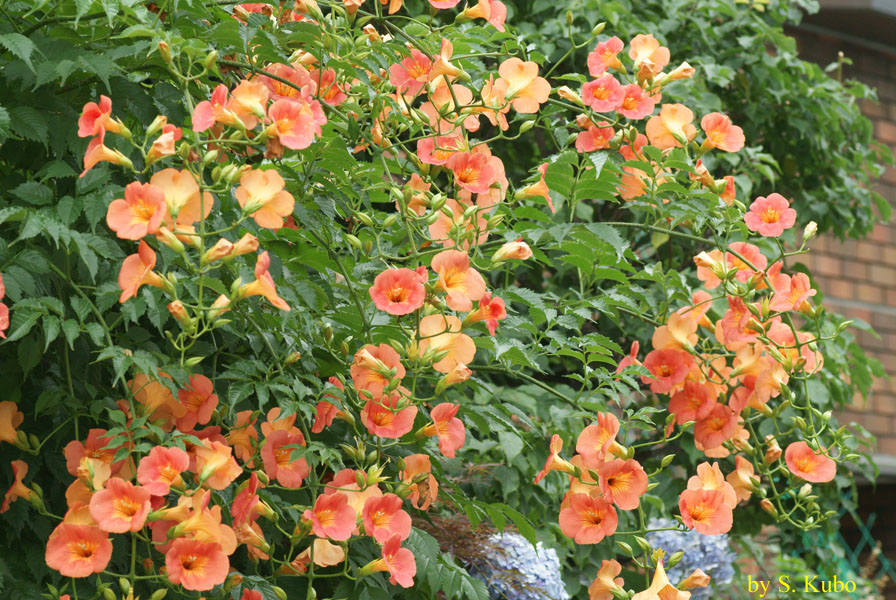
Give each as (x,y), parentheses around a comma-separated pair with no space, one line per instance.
(858,278)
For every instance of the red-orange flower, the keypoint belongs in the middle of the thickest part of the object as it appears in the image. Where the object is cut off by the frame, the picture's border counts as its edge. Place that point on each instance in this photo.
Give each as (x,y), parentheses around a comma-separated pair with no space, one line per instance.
(623,482)
(692,403)
(425,487)
(411,74)
(705,511)
(332,517)
(669,368)
(397,561)
(296,122)
(398,291)
(526,89)
(263,284)
(120,506)
(136,270)
(770,216)
(636,104)
(491,310)
(383,518)
(196,565)
(588,520)
(449,429)
(78,550)
(18,489)
(140,213)
(595,441)
(472,171)
(809,465)
(161,469)
(605,56)
(383,417)
(721,133)
(199,400)
(96,118)
(277,456)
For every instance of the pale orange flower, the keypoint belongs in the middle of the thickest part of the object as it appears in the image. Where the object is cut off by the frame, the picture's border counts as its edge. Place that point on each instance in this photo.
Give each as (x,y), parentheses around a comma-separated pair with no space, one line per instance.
(741,478)
(526,90)
(161,468)
(648,54)
(721,133)
(462,283)
(808,464)
(588,520)
(709,477)
(607,581)
(10,419)
(215,465)
(261,195)
(376,367)
(660,588)
(417,473)
(186,205)
(447,427)
(383,518)
(672,127)
(440,333)
(623,482)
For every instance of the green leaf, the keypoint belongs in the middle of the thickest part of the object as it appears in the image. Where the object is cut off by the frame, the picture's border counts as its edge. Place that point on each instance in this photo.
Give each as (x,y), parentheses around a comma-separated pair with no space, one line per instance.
(20,46)
(511,443)
(29,123)
(559,178)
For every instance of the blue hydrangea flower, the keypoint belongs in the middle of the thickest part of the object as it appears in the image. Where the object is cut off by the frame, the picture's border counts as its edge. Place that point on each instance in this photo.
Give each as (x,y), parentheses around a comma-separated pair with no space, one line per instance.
(517,571)
(712,553)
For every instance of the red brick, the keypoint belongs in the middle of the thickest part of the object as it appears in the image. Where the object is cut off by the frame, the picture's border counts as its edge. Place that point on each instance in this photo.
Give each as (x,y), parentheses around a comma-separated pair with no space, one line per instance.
(869,293)
(868,251)
(840,289)
(887,445)
(884,404)
(889,176)
(889,255)
(882,276)
(855,270)
(885,131)
(826,265)
(880,233)
(874,109)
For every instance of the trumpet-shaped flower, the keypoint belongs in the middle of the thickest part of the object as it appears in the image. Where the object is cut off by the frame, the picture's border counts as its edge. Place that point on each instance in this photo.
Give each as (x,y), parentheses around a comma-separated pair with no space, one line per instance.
(199,401)
(78,550)
(383,518)
(374,368)
(277,456)
(261,194)
(661,588)
(605,56)
(721,133)
(595,441)
(186,205)
(603,94)
(525,89)
(588,520)
(706,511)
(623,482)
(136,271)
(770,216)
(636,103)
(398,291)
(196,565)
(472,171)
(161,469)
(669,368)
(692,403)
(383,417)
(607,581)
(709,477)
(18,489)
(10,419)
(417,474)
(647,52)
(263,284)
(672,127)
(411,74)
(215,465)
(296,122)
(447,427)
(120,506)
(140,213)
(491,310)
(809,465)
(332,517)
(97,118)
(462,283)
(441,333)
(741,478)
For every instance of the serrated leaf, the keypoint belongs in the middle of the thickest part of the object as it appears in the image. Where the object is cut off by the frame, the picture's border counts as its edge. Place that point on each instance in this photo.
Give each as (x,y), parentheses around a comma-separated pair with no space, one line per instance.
(20,47)
(28,123)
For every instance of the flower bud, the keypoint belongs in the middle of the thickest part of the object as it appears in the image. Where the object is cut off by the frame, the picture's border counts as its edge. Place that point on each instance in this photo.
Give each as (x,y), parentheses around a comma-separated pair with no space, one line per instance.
(766,505)
(696,579)
(674,559)
(527,125)
(159,594)
(774,450)
(108,594)
(354,241)
(519,250)
(278,591)
(210,60)
(598,29)
(165,51)
(570,95)
(810,231)
(179,312)
(156,126)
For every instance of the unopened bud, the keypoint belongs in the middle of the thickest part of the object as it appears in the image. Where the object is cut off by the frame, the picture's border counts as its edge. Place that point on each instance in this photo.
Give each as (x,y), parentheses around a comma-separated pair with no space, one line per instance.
(165,51)
(766,505)
(278,591)
(354,241)
(569,17)
(675,558)
(108,594)
(159,594)
(810,231)
(598,29)
(210,60)
(527,125)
